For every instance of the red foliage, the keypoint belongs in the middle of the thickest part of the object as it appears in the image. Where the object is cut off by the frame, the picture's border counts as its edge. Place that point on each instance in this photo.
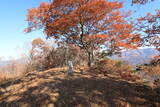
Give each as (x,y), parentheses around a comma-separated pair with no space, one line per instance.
(88,24)
(150,27)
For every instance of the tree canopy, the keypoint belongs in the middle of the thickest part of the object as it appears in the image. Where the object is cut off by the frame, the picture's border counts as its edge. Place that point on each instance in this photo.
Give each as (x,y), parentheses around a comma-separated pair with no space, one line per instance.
(88,24)
(150,27)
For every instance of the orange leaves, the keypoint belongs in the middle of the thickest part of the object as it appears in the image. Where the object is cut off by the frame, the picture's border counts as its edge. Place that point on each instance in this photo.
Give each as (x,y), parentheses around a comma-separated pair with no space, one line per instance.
(122,31)
(140,19)
(32,13)
(27,30)
(150,18)
(120,26)
(149,27)
(37,41)
(126,45)
(39,46)
(85,23)
(99,36)
(64,14)
(38,15)
(115,4)
(44,5)
(157,57)
(135,39)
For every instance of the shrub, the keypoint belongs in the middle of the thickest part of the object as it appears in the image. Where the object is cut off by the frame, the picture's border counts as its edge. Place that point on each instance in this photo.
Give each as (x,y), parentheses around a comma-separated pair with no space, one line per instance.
(119,63)
(154,72)
(118,68)
(155,61)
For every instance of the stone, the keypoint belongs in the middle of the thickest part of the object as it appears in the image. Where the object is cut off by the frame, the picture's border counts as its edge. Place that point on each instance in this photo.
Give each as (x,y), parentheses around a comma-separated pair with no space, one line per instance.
(70,68)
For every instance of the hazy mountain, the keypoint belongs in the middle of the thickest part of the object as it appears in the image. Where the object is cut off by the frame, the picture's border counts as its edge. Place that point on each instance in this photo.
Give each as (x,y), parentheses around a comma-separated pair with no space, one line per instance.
(134,57)
(3,63)
(140,56)
(7,62)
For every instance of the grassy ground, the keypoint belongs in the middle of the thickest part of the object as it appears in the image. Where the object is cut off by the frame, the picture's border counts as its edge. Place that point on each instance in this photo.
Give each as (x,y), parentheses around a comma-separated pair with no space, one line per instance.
(54,88)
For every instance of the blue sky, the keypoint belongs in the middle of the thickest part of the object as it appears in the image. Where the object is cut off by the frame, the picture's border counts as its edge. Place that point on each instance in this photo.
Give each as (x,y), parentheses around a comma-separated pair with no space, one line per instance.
(14,41)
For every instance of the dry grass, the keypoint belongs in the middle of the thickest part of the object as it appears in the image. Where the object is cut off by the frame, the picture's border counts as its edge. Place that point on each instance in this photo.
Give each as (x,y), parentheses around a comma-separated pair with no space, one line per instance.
(54,88)
(108,84)
(152,70)
(12,71)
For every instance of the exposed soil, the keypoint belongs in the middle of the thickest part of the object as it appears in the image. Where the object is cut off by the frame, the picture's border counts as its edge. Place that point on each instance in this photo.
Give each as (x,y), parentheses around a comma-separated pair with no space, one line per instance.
(54,88)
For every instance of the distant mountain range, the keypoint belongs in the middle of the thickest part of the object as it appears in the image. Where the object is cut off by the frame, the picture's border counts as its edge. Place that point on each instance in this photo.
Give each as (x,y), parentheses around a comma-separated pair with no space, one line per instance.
(139,56)
(134,57)
(4,63)
(7,62)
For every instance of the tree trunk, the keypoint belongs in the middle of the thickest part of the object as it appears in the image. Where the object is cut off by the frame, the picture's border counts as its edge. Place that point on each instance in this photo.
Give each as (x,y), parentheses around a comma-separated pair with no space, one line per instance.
(92,57)
(89,59)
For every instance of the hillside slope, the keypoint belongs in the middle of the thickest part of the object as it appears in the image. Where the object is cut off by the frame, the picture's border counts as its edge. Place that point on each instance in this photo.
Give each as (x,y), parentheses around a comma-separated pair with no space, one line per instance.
(53,88)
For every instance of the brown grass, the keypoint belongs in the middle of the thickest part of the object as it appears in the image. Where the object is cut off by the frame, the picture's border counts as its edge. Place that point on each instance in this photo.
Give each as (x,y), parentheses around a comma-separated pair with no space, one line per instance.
(84,89)
(12,71)
(152,70)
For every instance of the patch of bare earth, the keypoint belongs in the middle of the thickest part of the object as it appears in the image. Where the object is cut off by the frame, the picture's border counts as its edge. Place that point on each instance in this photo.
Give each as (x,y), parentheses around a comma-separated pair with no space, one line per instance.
(54,88)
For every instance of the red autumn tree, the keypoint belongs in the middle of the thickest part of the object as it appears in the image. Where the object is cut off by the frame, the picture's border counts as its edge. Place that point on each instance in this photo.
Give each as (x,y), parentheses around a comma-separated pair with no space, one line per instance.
(88,24)
(150,28)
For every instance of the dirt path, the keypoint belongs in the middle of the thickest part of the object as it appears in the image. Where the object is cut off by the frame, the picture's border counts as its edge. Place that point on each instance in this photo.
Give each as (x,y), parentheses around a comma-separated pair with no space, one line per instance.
(53,88)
